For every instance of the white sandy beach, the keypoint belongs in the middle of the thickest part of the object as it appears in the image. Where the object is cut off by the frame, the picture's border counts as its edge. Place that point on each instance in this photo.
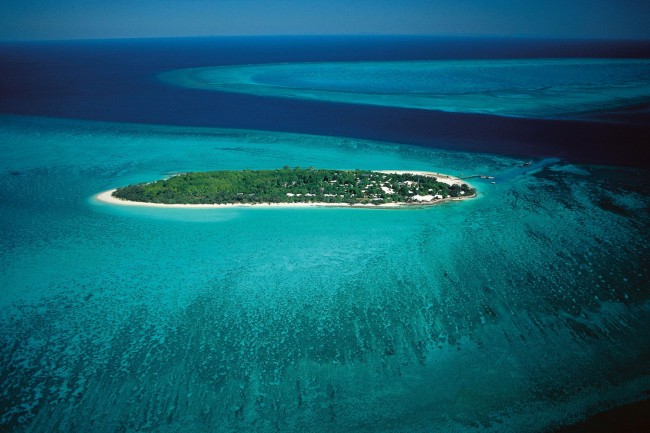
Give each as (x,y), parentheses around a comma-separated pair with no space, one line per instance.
(107,197)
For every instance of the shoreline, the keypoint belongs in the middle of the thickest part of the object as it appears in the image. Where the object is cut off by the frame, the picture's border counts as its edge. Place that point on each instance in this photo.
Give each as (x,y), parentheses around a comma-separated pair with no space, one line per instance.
(107,197)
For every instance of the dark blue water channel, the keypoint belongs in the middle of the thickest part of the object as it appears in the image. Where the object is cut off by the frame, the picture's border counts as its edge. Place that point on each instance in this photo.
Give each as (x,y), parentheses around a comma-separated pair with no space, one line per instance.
(116,81)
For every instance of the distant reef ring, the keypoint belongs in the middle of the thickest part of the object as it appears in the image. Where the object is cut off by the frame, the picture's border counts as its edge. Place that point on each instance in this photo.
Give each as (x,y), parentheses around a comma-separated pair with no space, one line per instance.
(519,88)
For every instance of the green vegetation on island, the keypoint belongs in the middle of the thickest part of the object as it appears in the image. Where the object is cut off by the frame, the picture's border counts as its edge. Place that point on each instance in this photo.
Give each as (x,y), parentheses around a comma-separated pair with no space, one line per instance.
(294,185)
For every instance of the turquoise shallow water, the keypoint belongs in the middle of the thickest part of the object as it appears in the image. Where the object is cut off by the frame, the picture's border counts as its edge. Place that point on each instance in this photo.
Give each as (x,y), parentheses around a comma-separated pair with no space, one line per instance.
(514,312)
(523,88)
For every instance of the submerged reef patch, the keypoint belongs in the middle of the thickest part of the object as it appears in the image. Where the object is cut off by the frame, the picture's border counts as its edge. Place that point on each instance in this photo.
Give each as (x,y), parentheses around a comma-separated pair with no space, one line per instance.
(520,88)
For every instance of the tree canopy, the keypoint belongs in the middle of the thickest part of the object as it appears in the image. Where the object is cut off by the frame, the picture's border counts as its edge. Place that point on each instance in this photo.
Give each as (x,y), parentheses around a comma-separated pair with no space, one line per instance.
(287,185)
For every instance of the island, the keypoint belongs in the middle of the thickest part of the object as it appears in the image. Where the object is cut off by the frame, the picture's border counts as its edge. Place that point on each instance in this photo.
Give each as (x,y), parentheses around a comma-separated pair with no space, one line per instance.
(294,187)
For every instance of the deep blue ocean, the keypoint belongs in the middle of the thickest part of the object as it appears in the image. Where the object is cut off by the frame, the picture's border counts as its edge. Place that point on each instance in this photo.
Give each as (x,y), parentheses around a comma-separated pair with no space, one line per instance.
(117,81)
(525,309)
